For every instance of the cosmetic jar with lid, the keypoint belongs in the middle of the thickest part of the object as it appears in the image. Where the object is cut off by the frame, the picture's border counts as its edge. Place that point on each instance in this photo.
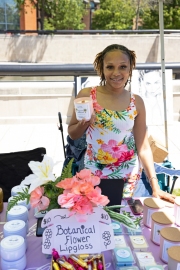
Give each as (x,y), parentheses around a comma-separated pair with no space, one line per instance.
(159,220)
(16,189)
(15,227)
(83,108)
(12,248)
(120,241)
(151,205)
(177,210)
(169,236)
(21,202)
(174,258)
(15,265)
(19,212)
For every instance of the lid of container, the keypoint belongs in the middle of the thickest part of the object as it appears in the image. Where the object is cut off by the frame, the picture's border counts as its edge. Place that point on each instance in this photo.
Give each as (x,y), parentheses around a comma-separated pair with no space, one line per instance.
(174,252)
(12,242)
(177,200)
(162,218)
(17,210)
(171,234)
(18,188)
(14,225)
(154,203)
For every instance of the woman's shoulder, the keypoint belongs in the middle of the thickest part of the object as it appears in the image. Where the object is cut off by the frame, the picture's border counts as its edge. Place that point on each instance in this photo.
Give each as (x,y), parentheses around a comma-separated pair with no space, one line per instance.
(85,92)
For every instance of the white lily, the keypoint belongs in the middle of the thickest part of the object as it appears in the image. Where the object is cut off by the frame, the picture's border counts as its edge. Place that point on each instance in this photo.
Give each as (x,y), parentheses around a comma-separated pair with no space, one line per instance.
(42,173)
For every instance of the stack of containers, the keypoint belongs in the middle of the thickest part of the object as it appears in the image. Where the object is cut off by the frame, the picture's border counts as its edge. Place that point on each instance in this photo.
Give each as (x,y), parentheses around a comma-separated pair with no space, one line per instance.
(14,192)
(15,227)
(19,212)
(13,253)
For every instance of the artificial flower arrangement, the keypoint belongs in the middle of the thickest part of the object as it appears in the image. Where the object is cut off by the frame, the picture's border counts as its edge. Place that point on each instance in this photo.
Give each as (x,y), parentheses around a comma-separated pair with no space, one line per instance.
(78,193)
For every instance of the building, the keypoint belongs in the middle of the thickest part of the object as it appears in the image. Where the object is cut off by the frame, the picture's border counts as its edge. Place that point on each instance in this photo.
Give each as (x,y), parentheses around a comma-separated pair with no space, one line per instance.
(30,18)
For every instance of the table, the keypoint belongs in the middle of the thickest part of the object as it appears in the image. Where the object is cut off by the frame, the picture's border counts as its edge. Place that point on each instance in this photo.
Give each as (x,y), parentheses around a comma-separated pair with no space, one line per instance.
(38,261)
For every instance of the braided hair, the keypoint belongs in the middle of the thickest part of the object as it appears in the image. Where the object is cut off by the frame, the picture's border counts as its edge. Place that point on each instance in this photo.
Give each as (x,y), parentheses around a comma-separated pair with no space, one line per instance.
(98,62)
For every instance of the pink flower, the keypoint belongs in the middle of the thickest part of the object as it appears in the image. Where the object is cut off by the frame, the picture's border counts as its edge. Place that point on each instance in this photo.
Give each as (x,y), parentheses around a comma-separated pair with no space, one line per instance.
(38,200)
(96,198)
(82,188)
(67,200)
(67,183)
(82,206)
(113,148)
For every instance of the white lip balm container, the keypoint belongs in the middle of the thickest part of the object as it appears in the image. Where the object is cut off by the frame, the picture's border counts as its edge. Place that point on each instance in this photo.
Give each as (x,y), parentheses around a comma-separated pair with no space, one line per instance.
(15,265)
(17,189)
(83,108)
(19,212)
(12,248)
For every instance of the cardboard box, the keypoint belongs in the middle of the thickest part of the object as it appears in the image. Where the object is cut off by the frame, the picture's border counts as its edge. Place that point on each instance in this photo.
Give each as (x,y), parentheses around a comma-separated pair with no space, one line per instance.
(103,261)
(159,151)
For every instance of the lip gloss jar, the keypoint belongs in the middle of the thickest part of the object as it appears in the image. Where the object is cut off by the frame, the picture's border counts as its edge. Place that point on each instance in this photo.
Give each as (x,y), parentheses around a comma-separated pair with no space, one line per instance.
(169,236)
(151,205)
(159,220)
(83,108)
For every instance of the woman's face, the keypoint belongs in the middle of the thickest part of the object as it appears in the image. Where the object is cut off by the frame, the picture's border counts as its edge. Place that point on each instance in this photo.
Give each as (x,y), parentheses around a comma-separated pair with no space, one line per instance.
(116,68)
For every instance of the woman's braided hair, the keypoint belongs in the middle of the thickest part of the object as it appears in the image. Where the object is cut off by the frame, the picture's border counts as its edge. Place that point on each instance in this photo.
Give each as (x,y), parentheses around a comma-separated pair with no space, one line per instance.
(98,62)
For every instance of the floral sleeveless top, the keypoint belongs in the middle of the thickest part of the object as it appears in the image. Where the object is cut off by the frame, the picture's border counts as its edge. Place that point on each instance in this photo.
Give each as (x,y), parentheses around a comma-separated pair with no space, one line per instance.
(111,151)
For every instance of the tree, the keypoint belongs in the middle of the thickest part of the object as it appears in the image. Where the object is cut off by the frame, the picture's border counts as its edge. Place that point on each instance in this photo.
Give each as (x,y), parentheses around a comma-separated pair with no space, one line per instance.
(171,12)
(114,14)
(58,14)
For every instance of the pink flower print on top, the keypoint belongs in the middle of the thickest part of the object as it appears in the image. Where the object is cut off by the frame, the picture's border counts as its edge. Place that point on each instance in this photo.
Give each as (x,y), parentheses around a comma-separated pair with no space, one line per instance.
(114,149)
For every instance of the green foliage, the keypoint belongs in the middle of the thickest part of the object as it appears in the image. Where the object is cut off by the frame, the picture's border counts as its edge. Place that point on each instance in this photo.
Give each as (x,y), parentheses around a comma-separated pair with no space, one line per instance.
(23,195)
(60,14)
(114,14)
(50,190)
(171,13)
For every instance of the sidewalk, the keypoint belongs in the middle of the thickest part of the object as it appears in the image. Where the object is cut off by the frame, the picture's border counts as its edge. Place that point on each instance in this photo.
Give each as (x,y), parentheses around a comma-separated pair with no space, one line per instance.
(29,136)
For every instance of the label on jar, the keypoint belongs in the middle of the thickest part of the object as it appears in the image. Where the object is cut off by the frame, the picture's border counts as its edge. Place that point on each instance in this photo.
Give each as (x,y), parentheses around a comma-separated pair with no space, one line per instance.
(123,253)
(156,233)
(167,245)
(139,240)
(149,213)
(83,111)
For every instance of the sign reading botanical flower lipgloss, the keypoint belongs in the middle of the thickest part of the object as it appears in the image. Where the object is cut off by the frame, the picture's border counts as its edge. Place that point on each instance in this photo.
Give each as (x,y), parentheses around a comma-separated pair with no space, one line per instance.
(77,234)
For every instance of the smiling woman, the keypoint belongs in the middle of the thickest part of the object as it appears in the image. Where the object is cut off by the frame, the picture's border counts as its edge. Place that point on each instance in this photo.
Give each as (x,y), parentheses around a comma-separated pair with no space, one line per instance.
(116,136)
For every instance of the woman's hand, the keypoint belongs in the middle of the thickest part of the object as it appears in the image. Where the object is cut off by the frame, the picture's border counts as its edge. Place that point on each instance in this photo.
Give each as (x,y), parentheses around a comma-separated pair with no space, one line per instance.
(158,193)
(88,123)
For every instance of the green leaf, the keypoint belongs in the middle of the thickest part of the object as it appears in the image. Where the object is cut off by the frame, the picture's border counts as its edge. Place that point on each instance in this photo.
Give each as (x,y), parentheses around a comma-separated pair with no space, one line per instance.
(20,196)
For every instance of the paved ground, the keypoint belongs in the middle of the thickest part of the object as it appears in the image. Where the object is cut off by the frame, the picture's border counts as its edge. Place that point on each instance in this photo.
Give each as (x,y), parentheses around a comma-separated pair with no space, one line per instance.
(26,137)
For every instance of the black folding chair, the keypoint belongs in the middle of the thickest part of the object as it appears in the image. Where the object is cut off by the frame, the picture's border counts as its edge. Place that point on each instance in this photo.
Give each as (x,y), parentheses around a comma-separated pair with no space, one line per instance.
(14,168)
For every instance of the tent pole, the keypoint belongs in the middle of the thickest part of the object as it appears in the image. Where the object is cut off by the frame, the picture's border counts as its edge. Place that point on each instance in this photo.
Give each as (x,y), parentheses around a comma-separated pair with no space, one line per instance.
(161,26)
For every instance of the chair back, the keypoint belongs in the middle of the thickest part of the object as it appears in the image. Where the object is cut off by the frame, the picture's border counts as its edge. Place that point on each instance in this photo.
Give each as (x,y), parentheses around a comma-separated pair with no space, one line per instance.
(14,168)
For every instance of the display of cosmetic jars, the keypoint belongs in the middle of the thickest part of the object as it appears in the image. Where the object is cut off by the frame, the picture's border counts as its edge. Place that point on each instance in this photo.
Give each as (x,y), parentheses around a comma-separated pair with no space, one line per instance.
(177,210)
(159,221)
(174,258)
(83,108)
(169,236)
(151,205)
(19,212)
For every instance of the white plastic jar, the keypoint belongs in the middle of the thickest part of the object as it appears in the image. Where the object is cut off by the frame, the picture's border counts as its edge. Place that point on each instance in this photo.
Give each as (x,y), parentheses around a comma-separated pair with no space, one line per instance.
(17,189)
(19,212)
(159,220)
(15,265)
(169,236)
(12,248)
(21,202)
(151,205)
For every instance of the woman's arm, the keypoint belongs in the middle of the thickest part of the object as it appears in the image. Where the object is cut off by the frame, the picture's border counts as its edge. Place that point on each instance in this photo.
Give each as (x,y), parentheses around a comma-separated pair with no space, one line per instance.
(77,128)
(144,150)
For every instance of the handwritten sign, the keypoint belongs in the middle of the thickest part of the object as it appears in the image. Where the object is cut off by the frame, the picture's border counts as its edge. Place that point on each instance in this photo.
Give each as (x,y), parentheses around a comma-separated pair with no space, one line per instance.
(68,235)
